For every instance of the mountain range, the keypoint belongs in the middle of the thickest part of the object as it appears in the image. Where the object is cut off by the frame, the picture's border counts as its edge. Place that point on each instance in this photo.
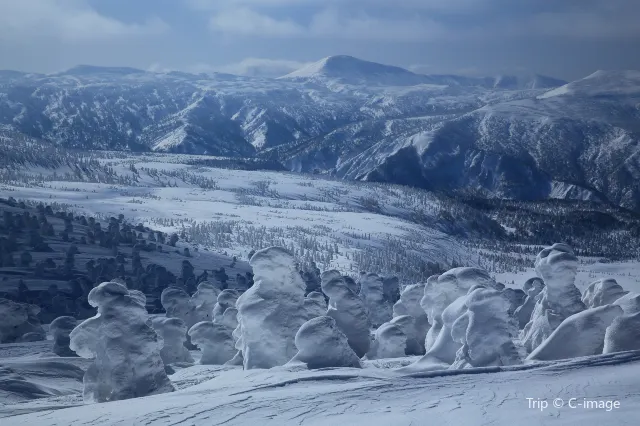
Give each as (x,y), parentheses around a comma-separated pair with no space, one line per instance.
(521,137)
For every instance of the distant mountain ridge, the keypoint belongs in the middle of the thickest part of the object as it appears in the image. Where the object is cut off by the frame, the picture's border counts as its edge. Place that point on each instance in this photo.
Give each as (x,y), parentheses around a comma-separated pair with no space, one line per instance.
(508,136)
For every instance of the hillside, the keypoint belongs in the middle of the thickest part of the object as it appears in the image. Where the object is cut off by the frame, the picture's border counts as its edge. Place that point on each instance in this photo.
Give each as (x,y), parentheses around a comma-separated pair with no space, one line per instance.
(503,137)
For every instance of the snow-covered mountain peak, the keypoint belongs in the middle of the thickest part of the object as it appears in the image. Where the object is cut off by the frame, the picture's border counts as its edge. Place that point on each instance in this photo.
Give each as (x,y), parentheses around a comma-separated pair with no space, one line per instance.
(349,70)
(601,83)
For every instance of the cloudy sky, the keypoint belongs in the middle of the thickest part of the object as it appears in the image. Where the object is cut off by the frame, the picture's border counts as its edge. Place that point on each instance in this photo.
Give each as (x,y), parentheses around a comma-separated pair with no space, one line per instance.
(561,38)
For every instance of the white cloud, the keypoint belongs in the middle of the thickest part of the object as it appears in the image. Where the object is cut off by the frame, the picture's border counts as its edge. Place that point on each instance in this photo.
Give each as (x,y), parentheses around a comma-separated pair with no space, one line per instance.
(416,20)
(328,23)
(69,21)
(261,67)
(246,22)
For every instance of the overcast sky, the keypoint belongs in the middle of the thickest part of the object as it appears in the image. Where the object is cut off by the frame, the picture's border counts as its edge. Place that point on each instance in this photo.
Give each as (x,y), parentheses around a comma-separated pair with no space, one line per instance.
(562,38)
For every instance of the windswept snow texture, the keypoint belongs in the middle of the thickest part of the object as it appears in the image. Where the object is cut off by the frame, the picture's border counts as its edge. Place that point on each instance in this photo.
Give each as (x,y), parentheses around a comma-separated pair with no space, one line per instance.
(18,319)
(271,312)
(486,331)
(602,292)
(372,293)
(60,329)
(321,344)
(348,310)
(375,397)
(173,332)
(581,334)
(125,349)
(557,266)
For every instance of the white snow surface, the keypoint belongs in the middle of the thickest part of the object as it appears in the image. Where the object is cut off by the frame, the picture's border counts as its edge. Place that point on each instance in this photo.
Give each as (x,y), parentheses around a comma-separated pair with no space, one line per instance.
(370,396)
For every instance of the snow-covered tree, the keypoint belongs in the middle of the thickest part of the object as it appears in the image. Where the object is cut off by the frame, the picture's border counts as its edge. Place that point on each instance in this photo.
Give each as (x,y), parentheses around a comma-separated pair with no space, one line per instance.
(557,266)
(581,334)
(18,319)
(204,300)
(623,334)
(60,329)
(372,293)
(173,332)
(409,304)
(602,292)
(315,305)
(486,331)
(226,299)
(124,347)
(348,310)
(214,340)
(271,312)
(321,344)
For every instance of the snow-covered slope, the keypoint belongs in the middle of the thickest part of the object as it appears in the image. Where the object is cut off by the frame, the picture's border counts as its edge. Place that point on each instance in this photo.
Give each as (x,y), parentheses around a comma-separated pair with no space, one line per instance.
(601,83)
(551,394)
(586,143)
(352,226)
(505,136)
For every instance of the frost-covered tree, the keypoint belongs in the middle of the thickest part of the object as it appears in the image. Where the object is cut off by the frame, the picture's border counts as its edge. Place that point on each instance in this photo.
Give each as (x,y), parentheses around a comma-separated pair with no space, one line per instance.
(409,304)
(581,334)
(623,334)
(630,303)
(390,341)
(271,312)
(315,305)
(177,304)
(532,287)
(204,300)
(60,329)
(124,347)
(18,319)
(557,266)
(442,290)
(173,332)
(348,310)
(372,293)
(215,341)
(321,344)
(486,331)
(226,299)
(602,292)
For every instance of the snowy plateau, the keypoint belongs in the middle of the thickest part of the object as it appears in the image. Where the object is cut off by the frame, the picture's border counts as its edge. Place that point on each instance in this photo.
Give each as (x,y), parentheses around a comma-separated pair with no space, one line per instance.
(351,243)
